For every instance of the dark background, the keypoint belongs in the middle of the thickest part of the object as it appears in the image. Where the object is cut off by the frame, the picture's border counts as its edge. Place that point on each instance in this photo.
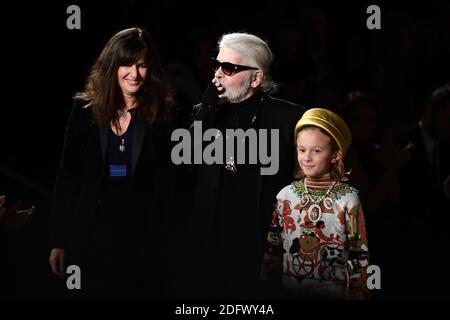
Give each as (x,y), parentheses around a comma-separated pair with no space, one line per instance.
(44,64)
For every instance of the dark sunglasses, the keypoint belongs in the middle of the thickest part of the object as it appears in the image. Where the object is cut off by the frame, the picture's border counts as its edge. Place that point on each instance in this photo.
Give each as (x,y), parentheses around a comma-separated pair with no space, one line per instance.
(229,68)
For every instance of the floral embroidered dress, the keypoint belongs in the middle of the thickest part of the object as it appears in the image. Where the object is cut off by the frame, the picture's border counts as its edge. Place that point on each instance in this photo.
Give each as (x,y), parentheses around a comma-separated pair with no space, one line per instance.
(320,239)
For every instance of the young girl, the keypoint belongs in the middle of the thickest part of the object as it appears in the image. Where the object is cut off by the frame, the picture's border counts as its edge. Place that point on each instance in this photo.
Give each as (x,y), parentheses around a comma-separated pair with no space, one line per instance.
(318,229)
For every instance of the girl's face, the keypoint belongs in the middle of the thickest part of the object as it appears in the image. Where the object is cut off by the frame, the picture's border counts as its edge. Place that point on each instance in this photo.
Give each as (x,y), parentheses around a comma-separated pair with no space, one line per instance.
(315,153)
(131,77)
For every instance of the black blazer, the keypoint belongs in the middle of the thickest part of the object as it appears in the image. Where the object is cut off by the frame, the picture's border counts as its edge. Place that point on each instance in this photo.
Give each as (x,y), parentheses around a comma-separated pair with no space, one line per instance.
(79,180)
(274,114)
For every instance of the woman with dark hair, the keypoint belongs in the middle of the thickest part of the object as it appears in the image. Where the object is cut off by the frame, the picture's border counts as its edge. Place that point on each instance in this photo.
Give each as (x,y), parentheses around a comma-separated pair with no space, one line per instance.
(108,205)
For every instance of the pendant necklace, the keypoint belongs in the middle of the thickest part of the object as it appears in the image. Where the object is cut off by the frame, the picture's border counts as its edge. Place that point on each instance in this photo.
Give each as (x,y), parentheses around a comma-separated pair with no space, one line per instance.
(231,165)
(123,136)
(122,146)
(315,211)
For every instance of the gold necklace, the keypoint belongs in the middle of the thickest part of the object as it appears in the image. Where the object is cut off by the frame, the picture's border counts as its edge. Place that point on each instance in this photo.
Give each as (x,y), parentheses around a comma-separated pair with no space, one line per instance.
(315,211)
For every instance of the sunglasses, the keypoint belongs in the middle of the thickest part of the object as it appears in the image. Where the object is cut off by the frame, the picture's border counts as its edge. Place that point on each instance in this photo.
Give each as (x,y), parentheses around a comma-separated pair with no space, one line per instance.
(229,68)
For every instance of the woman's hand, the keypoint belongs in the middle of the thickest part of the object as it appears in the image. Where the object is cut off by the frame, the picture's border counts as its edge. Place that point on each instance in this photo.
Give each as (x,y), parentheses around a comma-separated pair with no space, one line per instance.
(57,261)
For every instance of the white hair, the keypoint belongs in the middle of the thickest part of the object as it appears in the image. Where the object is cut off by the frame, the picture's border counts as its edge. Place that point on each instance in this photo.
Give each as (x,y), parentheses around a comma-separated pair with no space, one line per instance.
(255,52)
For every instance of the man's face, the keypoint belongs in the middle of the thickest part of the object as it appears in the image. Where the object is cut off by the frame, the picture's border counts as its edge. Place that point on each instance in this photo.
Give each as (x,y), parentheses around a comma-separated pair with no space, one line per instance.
(238,86)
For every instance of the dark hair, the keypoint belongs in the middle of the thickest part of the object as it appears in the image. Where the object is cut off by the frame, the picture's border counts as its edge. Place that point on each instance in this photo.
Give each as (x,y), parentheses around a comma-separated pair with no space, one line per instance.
(102,91)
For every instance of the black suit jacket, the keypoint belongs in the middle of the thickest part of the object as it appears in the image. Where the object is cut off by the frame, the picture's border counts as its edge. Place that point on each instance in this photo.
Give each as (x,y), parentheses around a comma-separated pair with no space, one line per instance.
(273,114)
(83,168)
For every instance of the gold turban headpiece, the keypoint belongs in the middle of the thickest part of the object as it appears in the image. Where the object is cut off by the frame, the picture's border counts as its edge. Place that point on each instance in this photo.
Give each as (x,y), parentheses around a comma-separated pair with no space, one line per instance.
(328,121)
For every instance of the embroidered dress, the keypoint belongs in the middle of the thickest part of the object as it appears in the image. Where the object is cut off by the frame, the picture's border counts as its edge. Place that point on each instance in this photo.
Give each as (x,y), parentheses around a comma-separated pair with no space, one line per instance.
(323,252)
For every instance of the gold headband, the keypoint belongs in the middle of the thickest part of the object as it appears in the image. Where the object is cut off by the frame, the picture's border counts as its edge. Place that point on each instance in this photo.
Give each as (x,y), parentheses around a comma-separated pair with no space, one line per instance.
(328,121)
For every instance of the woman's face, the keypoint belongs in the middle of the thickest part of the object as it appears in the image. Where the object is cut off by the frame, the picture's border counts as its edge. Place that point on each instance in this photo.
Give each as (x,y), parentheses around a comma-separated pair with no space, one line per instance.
(315,153)
(131,77)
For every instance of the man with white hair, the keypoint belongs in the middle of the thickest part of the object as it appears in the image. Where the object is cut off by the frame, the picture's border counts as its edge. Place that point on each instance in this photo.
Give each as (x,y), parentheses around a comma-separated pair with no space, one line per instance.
(234,199)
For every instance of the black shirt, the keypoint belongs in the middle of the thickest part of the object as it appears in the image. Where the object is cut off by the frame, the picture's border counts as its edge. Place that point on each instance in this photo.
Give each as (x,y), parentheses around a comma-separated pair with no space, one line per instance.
(237,222)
